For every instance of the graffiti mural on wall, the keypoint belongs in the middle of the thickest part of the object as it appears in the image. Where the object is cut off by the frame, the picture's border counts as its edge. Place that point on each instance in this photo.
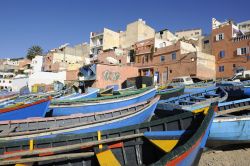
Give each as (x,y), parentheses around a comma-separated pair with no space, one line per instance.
(110,76)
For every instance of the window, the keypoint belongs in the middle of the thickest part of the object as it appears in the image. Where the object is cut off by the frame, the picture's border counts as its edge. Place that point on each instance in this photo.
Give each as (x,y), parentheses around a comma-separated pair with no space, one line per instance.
(9,81)
(146,58)
(197,33)
(219,37)
(222,54)
(170,71)
(234,65)
(138,59)
(174,56)
(3,81)
(206,42)
(242,51)
(221,68)
(162,58)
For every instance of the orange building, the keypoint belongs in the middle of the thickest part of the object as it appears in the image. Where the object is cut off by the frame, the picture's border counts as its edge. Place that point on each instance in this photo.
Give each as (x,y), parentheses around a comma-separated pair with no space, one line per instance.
(230,45)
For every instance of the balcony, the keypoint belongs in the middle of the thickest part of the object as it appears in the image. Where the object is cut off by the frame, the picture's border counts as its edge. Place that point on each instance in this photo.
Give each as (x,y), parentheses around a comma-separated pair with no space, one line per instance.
(240,38)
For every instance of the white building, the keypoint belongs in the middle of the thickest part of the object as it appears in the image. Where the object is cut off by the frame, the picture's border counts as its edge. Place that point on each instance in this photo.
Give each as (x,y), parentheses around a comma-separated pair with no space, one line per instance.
(37,64)
(46,78)
(19,82)
(6,81)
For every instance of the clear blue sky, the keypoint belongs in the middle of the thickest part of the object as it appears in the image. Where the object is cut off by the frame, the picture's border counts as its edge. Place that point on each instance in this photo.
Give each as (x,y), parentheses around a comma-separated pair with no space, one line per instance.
(50,23)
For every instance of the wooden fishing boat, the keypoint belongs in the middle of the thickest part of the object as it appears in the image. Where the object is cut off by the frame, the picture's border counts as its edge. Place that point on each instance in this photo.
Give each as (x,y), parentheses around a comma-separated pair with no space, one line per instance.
(22,110)
(247,90)
(107,92)
(91,93)
(62,108)
(235,90)
(232,124)
(191,102)
(176,140)
(198,87)
(8,96)
(170,91)
(78,123)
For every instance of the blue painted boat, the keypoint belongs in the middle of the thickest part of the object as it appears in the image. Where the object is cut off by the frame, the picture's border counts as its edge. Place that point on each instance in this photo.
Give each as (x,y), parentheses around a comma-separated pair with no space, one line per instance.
(198,87)
(232,124)
(37,108)
(235,90)
(191,102)
(176,140)
(52,126)
(101,103)
(247,91)
(169,91)
(91,93)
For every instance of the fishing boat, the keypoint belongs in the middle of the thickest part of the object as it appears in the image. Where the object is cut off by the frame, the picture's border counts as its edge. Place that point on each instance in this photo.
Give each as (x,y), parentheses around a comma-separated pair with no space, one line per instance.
(235,90)
(176,140)
(170,91)
(107,92)
(191,102)
(232,124)
(62,108)
(5,96)
(78,123)
(23,110)
(198,87)
(247,90)
(91,93)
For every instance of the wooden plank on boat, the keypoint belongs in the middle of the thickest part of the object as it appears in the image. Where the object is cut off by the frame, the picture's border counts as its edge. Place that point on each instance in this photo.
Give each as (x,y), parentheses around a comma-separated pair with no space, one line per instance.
(47,158)
(69,147)
(233,110)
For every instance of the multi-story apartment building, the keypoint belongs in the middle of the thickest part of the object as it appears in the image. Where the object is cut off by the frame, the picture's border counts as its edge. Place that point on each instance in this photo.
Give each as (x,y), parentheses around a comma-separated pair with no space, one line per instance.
(66,58)
(166,57)
(6,81)
(230,46)
(135,31)
(108,39)
(244,26)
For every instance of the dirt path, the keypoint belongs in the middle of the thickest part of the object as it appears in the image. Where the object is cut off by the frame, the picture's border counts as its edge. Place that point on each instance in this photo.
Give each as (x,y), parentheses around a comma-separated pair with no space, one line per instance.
(239,157)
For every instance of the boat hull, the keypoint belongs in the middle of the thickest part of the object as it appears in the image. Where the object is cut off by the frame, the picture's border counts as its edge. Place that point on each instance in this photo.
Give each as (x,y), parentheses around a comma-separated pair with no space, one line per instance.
(136,118)
(168,93)
(229,130)
(36,109)
(62,110)
(247,91)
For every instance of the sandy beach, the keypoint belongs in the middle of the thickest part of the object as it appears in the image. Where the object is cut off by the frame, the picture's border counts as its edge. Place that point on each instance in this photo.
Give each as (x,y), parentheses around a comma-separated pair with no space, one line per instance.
(231,157)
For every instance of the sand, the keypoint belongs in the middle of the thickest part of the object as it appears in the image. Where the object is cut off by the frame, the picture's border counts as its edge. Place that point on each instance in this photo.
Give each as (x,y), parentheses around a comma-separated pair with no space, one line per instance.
(232,157)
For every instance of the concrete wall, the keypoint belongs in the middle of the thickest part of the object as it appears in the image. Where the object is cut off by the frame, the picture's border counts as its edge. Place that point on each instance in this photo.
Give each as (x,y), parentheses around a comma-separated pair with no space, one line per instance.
(18,83)
(187,34)
(72,75)
(205,66)
(110,39)
(112,74)
(46,78)
(166,35)
(136,31)
(37,64)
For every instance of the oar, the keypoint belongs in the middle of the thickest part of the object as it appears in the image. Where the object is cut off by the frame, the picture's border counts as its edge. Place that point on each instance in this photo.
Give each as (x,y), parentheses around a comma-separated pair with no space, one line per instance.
(48,158)
(67,148)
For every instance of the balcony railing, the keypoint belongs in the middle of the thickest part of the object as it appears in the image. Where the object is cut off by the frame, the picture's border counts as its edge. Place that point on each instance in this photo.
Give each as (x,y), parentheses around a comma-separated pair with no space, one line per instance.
(239,38)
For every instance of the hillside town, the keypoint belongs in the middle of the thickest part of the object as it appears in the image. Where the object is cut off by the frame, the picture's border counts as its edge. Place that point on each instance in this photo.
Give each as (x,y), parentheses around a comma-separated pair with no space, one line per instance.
(110,57)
